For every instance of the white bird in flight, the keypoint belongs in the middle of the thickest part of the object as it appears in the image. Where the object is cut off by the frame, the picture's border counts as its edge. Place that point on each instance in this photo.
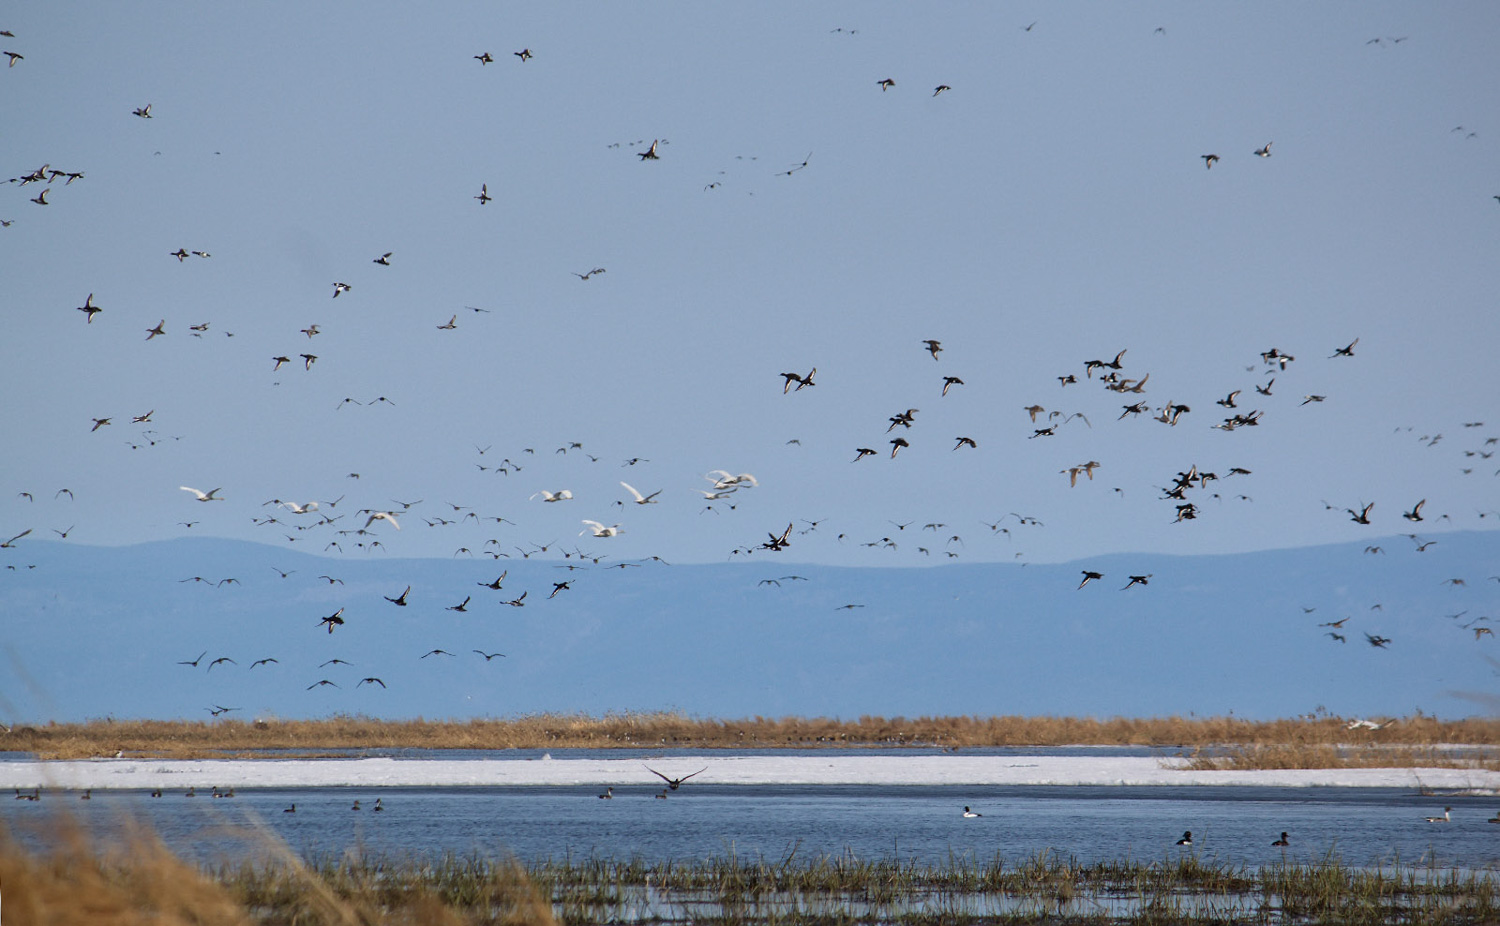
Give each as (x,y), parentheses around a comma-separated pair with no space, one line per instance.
(599,530)
(639,498)
(723,480)
(202,496)
(559,496)
(382,516)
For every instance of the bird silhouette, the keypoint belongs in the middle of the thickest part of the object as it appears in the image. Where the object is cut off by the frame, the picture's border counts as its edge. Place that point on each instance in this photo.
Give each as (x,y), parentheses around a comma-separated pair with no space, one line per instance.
(674,783)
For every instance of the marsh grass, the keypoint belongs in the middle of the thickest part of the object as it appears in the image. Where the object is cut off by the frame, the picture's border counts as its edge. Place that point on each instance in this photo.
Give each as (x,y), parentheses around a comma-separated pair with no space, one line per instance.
(1305,740)
(1326,755)
(73,881)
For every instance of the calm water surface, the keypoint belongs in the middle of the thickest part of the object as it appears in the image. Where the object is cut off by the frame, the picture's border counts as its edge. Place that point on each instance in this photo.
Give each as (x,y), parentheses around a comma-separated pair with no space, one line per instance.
(1361,826)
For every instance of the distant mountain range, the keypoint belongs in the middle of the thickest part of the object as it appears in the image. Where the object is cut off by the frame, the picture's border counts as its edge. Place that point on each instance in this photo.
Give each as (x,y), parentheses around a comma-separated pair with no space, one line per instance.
(93,632)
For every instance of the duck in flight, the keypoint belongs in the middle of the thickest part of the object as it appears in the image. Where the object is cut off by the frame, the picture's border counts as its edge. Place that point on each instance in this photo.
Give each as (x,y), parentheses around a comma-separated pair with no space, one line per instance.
(399,600)
(673,783)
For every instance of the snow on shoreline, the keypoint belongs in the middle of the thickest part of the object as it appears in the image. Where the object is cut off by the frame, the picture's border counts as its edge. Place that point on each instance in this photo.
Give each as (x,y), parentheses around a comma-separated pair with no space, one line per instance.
(104,774)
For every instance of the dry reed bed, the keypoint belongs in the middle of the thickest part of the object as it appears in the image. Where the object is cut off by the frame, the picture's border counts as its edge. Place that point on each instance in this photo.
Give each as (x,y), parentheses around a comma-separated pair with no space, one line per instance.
(1315,739)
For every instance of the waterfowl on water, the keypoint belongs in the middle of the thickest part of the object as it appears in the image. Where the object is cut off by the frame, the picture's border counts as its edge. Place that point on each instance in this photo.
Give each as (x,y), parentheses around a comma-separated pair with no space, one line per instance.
(1282,841)
(1187,838)
(969,814)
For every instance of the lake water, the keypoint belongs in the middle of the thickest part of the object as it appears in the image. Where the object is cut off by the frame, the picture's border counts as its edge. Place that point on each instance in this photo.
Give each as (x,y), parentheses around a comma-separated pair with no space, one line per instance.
(1361,826)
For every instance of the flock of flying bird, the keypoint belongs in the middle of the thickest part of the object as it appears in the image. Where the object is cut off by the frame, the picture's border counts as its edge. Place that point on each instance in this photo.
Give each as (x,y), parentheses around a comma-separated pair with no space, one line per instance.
(1100,393)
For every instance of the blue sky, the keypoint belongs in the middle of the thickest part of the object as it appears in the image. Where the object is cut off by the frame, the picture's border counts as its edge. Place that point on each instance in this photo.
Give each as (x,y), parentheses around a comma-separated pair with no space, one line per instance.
(1051,208)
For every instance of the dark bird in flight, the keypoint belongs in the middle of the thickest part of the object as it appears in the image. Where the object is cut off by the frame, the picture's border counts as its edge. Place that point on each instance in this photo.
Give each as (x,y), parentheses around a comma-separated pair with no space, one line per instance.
(884,84)
(1377,640)
(1264,152)
(896,444)
(673,783)
(940,89)
(1089,577)
(485,58)
(436,652)
(778,543)
(484,194)
(461,606)
(219,660)
(1344,351)
(399,600)
(934,347)
(489,656)
(1138,580)
(1337,636)
(195,662)
(317,684)
(1362,516)
(557,587)
(88,308)
(524,54)
(144,112)
(335,619)
(861,453)
(799,379)
(1208,160)
(371,680)
(949,381)
(261,662)
(1416,513)
(650,153)
(965,441)
(384,260)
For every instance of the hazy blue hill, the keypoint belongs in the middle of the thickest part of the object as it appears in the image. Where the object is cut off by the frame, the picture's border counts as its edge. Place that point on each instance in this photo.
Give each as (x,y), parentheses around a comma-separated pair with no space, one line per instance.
(94,631)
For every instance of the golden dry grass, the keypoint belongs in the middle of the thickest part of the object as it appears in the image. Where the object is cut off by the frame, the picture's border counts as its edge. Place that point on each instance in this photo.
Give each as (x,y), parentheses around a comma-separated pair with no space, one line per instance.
(1309,737)
(75,882)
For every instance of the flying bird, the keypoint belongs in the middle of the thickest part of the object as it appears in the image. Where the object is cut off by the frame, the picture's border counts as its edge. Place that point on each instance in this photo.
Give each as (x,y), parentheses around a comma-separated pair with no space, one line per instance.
(144,112)
(382,516)
(1089,576)
(674,783)
(399,600)
(933,347)
(650,153)
(639,498)
(88,308)
(1416,513)
(1265,151)
(885,84)
(484,194)
(1347,351)
(209,496)
(333,620)
(1208,160)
